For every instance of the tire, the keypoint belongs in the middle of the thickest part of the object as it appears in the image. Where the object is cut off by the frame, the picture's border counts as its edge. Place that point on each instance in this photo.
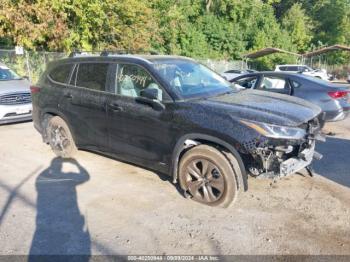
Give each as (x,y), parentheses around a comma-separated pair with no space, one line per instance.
(60,138)
(207,176)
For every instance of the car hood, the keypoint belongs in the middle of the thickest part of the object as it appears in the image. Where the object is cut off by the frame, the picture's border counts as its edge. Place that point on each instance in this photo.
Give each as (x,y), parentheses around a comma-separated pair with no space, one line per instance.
(266,107)
(14,86)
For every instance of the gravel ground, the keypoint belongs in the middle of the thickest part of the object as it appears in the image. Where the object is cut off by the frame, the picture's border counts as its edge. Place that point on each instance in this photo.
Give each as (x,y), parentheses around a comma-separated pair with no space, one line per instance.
(98,205)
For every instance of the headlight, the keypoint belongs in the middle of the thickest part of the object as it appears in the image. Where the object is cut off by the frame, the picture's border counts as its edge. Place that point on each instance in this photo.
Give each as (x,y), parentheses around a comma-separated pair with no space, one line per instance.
(276,131)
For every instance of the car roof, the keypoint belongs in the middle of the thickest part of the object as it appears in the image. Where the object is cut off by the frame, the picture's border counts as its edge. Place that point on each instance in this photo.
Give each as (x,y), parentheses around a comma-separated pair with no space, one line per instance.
(270,73)
(274,73)
(133,57)
(291,65)
(279,73)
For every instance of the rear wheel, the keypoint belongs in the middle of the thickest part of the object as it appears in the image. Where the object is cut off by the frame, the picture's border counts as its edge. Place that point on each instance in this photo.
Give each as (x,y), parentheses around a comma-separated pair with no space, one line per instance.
(60,137)
(206,175)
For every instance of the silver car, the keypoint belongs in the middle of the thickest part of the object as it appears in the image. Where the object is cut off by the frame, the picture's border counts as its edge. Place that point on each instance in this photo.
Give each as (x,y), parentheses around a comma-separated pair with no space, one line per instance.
(15,98)
(333,99)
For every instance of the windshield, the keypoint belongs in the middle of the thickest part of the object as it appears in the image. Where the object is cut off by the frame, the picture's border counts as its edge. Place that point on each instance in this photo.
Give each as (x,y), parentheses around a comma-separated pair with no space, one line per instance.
(7,74)
(192,80)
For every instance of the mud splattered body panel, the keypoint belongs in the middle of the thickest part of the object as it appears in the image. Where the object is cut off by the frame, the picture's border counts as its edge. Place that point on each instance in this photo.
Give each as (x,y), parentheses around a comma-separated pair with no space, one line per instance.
(152,133)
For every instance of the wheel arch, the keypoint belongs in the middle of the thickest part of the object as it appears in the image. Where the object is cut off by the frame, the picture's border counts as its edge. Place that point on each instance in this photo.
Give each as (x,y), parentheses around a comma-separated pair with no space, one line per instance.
(190,140)
(53,112)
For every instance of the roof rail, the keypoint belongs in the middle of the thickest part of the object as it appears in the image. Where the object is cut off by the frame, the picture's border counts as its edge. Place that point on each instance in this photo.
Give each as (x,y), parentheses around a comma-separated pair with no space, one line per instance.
(128,52)
(77,53)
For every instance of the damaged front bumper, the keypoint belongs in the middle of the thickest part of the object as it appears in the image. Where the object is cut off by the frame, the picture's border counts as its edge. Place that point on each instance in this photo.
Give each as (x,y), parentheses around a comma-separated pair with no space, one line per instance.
(295,164)
(273,158)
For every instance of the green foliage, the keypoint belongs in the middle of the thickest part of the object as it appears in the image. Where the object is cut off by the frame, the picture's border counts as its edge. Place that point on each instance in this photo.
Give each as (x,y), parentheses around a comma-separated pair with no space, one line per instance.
(299,26)
(219,29)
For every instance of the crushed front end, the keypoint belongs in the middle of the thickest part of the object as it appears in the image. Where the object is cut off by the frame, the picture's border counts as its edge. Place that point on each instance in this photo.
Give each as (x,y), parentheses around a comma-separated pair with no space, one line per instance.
(278,157)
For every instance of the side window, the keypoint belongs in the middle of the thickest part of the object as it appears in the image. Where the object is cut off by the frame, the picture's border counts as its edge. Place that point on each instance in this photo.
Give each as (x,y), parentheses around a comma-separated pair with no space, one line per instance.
(247,82)
(132,79)
(61,73)
(295,84)
(293,68)
(283,68)
(92,76)
(275,84)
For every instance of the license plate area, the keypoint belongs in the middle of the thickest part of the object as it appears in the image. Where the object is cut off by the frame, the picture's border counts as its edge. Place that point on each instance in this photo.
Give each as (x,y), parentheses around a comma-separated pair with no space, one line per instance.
(22,111)
(295,164)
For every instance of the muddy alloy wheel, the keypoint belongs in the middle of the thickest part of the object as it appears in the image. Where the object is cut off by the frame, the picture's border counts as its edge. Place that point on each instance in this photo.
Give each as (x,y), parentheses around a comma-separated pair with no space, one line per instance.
(60,138)
(206,175)
(204,181)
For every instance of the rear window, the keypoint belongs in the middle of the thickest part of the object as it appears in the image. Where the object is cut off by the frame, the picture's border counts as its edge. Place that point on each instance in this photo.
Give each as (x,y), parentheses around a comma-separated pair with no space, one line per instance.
(92,76)
(61,73)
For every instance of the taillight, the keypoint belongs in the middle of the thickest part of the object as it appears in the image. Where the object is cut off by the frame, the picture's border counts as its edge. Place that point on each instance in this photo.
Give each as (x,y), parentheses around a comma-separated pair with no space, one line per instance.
(34,89)
(338,94)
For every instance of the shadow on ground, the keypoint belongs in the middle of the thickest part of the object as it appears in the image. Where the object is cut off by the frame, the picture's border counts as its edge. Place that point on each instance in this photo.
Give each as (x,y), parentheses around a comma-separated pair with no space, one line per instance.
(335,164)
(60,226)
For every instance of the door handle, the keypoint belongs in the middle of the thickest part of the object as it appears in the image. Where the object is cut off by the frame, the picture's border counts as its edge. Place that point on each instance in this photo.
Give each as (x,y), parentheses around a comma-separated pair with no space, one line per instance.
(115,107)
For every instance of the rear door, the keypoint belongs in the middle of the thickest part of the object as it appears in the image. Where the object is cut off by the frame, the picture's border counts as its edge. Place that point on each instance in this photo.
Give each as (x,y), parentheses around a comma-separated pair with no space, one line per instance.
(84,104)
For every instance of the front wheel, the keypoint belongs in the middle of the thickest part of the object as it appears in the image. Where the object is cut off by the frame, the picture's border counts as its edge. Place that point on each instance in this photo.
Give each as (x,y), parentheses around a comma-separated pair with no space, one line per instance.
(60,137)
(207,176)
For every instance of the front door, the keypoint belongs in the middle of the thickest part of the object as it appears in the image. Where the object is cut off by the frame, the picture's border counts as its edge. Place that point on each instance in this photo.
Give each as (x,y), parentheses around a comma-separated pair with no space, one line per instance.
(138,132)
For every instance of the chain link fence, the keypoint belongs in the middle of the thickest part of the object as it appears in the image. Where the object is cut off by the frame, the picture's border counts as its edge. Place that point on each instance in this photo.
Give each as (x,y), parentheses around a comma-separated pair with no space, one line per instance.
(33,63)
(30,64)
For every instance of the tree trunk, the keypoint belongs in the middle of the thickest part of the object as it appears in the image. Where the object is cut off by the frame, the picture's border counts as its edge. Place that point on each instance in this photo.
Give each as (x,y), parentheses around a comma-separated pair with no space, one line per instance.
(208,5)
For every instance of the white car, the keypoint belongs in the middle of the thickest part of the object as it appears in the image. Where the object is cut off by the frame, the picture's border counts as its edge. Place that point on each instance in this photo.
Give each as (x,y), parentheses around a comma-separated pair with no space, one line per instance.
(15,98)
(304,69)
(349,78)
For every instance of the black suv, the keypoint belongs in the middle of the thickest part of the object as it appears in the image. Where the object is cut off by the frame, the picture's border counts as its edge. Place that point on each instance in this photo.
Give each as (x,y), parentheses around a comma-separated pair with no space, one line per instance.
(174,116)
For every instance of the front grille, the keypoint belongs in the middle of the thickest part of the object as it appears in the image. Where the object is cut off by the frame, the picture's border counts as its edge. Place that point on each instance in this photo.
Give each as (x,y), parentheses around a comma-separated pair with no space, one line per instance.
(16,99)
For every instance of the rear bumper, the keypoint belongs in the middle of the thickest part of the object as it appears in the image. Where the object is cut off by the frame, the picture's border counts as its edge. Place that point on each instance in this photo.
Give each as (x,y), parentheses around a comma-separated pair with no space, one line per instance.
(15,113)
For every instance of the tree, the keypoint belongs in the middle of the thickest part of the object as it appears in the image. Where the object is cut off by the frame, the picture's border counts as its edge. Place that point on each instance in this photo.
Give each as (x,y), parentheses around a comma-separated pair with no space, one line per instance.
(299,26)
(35,24)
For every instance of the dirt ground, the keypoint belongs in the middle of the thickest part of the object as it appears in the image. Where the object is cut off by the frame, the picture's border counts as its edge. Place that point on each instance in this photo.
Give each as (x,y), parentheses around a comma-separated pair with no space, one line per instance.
(98,205)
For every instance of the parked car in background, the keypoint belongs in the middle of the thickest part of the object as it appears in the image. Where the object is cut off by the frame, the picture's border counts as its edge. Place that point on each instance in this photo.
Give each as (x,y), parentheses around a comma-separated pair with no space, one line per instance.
(333,99)
(15,98)
(304,69)
(348,78)
(177,117)
(230,74)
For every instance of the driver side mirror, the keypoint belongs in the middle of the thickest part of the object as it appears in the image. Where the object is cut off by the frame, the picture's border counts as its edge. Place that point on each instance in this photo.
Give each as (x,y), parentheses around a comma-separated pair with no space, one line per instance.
(150,93)
(150,96)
